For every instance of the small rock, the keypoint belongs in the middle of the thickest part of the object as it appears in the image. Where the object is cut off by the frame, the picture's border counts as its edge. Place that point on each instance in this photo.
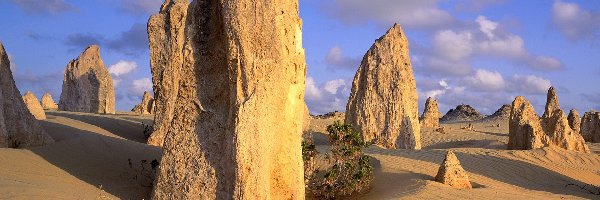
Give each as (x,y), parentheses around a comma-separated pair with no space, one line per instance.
(452,174)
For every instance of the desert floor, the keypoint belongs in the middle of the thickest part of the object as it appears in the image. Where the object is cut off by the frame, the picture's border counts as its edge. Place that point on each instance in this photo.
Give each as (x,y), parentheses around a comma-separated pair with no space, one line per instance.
(104,157)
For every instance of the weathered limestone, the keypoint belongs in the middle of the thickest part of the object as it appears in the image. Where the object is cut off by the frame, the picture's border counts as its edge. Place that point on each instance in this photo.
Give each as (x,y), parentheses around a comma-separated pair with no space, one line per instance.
(18,128)
(590,126)
(462,113)
(34,106)
(166,36)
(146,107)
(237,126)
(574,120)
(88,87)
(383,104)
(525,130)
(452,174)
(430,118)
(48,102)
(503,113)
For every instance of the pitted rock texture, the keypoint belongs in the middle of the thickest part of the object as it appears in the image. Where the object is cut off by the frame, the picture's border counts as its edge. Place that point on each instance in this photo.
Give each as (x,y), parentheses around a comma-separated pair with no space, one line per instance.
(462,113)
(34,106)
(451,173)
(48,102)
(237,126)
(166,36)
(383,104)
(18,128)
(431,117)
(146,107)
(87,86)
(574,120)
(503,113)
(590,126)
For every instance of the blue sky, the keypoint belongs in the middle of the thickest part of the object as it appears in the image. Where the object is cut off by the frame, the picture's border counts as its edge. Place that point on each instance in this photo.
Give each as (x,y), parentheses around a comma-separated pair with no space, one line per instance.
(477,52)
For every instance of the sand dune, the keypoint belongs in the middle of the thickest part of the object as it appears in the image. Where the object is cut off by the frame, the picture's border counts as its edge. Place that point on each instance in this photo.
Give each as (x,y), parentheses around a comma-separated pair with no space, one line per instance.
(93,151)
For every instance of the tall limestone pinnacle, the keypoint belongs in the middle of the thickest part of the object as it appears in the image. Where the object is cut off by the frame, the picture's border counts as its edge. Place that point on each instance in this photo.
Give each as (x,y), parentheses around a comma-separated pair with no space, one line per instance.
(383,104)
(48,102)
(145,107)
(238,116)
(34,106)
(166,36)
(87,86)
(552,103)
(431,114)
(18,127)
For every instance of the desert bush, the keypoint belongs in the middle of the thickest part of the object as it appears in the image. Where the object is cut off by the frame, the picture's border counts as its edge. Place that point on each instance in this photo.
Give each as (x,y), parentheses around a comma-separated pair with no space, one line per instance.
(351,172)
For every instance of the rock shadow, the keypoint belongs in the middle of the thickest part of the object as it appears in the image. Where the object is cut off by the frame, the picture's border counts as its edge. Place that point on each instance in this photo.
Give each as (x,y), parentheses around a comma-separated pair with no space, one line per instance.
(127,129)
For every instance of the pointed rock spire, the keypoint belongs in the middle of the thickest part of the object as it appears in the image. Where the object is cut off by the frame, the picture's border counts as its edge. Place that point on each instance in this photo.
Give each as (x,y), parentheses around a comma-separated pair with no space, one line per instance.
(383,104)
(431,117)
(574,120)
(48,102)
(146,107)
(451,173)
(34,106)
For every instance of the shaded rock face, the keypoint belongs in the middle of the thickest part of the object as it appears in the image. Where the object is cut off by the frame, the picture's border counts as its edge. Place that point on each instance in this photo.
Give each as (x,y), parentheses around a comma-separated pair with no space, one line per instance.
(383,104)
(574,120)
(462,113)
(524,130)
(590,126)
(48,102)
(452,174)
(18,128)
(146,107)
(502,113)
(431,118)
(166,36)
(34,106)
(87,86)
(237,126)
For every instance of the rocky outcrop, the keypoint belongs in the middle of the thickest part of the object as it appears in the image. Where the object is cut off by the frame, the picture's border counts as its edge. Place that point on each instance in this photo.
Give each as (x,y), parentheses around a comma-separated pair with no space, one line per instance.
(503,113)
(146,107)
(34,106)
(48,102)
(87,86)
(166,36)
(237,126)
(590,126)
(331,115)
(18,128)
(462,113)
(451,173)
(574,120)
(527,131)
(383,104)
(430,118)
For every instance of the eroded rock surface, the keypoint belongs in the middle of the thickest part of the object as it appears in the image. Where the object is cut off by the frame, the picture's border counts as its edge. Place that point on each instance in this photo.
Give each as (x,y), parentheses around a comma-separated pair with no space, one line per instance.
(166,36)
(451,173)
(146,107)
(383,104)
(431,118)
(574,120)
(87,86)
(18,128)
(590,126)
(34,106)
(503,113)
(48,102)
(237,126)
(525,130)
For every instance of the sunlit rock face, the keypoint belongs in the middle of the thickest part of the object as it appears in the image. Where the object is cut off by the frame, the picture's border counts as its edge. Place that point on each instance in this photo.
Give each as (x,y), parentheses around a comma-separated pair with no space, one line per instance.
(18,127)
(383,104)
(166,36)
(34,106)
(87,86)
(239,113)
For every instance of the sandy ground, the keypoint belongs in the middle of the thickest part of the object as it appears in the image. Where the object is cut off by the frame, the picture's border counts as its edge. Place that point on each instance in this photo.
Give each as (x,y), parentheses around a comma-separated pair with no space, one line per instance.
(91,160)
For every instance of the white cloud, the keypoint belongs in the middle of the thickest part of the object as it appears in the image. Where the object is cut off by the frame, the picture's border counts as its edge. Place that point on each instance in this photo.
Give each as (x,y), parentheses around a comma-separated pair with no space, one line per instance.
(486,26)
(453,46)
(529,84)
(122,67)
(330,96)
(140,86)
(484,80)
(575,23)
(415,14)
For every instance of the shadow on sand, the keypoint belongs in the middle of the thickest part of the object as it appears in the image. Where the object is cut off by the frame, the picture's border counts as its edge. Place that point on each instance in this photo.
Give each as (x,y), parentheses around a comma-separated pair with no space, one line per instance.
(510,171)
(101,161)
(131,130)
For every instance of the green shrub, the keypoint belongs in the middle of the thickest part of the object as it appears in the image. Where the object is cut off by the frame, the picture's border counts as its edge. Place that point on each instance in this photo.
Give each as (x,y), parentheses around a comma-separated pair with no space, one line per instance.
(351,171)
